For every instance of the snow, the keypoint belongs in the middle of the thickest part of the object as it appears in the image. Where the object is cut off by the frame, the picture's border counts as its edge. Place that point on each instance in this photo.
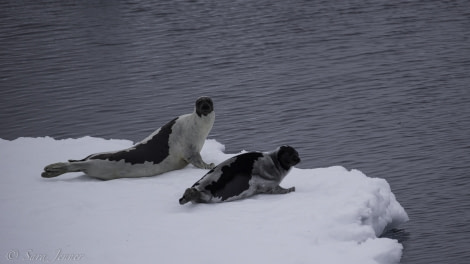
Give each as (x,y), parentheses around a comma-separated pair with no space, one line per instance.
(334,216)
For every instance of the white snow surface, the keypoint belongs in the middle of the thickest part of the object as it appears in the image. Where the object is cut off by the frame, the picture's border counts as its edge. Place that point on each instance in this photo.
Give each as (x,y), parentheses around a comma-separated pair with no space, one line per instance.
(334,216)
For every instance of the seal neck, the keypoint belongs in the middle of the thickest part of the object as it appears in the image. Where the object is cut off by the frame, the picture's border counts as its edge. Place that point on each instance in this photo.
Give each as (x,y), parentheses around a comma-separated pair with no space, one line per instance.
(275,157)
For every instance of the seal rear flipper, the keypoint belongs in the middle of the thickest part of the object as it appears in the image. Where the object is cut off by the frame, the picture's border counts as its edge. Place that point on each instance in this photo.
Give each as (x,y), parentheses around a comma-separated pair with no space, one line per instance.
(54,170)
(59,168)
(190,195)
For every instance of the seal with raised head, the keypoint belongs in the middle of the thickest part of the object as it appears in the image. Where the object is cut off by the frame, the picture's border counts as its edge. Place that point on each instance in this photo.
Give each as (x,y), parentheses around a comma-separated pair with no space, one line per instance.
(170,147)
(244,175)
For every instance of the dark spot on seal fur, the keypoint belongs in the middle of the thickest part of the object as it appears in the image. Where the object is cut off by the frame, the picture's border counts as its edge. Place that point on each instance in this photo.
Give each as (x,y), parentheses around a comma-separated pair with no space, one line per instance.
(235,177)
(155,150)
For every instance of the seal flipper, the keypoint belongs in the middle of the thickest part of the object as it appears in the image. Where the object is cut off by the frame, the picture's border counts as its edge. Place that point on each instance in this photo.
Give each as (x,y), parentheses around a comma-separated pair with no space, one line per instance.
(56,169)
(190,195)
(197,161)
(277,190)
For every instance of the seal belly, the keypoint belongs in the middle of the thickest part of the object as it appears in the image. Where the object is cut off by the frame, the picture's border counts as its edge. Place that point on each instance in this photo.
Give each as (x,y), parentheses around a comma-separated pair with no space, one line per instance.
(108,170)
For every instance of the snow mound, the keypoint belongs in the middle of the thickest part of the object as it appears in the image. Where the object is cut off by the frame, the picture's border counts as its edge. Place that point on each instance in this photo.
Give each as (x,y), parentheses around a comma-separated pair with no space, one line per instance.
(334,216)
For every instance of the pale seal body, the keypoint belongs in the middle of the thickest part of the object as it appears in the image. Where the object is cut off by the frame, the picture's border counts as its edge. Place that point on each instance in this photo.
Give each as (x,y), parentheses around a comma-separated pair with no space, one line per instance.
(170,147)
(244,175)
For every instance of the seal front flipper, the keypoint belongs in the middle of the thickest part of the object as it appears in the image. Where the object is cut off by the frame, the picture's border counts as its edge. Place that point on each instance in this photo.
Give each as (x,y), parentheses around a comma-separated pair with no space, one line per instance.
(196,159)
(277,190)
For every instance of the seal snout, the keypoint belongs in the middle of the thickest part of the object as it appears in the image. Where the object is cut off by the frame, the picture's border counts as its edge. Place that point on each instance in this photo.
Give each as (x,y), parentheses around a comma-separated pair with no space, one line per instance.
(206,106)
(296,160)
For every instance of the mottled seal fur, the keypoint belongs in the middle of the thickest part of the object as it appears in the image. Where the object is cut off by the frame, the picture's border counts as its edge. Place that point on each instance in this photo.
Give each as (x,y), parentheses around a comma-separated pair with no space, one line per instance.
(244,175)
(170,147)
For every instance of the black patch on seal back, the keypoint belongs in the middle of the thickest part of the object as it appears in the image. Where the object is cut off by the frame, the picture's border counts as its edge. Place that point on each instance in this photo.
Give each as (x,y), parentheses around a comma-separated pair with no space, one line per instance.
(155,150)
(235,176)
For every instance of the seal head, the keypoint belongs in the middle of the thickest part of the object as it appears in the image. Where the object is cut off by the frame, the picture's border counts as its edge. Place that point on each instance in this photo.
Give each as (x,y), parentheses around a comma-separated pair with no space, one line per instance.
(288,157)
(204,106)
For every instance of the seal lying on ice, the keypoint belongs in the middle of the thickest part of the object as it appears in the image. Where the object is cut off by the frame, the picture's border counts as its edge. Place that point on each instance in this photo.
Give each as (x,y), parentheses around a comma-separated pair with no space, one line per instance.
(171,147)
(244,175)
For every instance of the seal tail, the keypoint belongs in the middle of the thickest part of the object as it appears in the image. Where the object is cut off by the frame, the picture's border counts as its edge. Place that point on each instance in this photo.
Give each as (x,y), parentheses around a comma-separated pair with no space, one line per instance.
(190,195)
(56,169)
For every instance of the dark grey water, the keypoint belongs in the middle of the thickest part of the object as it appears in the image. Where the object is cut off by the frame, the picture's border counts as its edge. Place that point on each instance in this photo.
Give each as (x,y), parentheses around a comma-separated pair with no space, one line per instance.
(380,86)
